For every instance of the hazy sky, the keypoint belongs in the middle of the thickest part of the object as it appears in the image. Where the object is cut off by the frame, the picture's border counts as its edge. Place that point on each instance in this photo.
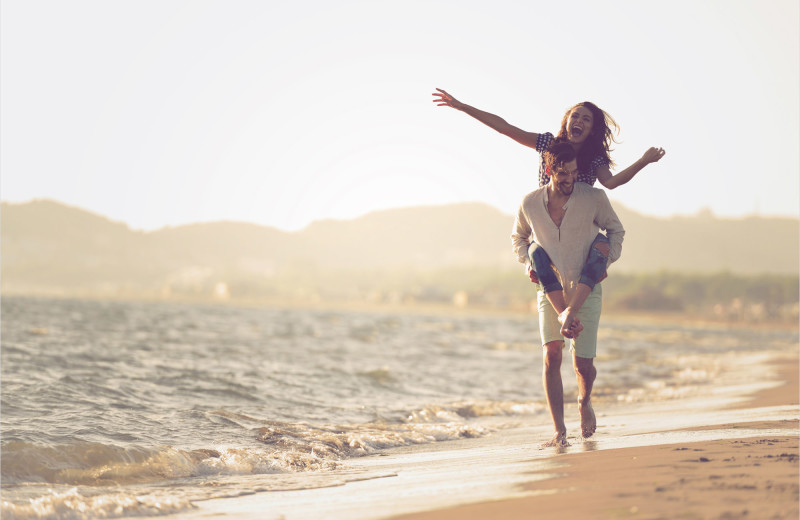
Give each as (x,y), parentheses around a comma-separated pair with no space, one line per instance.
(167,112)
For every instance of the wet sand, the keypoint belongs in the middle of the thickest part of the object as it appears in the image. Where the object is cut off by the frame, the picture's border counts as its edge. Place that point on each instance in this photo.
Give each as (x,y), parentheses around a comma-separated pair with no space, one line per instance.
(743,478)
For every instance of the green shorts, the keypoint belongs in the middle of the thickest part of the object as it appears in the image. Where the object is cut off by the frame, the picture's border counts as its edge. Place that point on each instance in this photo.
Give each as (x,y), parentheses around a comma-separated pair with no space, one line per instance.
(585,345)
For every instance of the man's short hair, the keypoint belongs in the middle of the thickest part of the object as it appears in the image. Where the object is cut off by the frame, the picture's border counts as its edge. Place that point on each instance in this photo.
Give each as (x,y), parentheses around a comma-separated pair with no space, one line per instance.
(558,154)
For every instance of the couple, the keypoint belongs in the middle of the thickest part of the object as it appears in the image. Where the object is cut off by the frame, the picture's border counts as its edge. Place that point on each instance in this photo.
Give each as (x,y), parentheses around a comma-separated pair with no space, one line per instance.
(564,217)
(557,226)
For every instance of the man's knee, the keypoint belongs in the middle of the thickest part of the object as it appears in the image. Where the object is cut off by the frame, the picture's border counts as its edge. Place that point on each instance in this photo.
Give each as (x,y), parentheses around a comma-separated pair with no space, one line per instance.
(553,354)
(585,367)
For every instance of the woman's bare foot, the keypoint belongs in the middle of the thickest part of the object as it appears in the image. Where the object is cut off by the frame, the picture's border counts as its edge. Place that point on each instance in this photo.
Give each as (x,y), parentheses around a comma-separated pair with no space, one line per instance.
(588,419)
(576,327)
(571,326)
(559,440)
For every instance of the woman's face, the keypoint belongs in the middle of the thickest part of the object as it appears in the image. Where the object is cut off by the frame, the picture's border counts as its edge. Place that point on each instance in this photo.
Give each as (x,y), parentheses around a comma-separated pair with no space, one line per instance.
(579,124)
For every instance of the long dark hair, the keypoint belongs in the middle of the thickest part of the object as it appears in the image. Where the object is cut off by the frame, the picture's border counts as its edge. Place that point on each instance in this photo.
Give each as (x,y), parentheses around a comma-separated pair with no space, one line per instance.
(600,138)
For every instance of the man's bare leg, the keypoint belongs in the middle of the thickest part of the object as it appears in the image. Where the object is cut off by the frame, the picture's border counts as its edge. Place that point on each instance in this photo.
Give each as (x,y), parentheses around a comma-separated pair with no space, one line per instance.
(586,374)
(578,297)
(554,391)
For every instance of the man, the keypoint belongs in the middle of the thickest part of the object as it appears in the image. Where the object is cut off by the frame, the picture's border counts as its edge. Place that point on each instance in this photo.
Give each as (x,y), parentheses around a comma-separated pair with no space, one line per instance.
(564,217)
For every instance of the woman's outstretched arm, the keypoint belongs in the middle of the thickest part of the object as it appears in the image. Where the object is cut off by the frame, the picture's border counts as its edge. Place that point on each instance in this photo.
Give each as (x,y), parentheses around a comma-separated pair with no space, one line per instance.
(611,181)
(443,99)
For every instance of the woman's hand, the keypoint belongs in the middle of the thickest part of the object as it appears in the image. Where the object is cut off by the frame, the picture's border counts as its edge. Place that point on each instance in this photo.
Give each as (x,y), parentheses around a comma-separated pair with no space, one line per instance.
(532,275)
(653,155)
(443,99)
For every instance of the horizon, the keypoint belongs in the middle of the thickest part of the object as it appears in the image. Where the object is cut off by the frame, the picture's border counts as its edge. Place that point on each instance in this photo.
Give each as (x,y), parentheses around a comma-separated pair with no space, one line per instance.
(282,115)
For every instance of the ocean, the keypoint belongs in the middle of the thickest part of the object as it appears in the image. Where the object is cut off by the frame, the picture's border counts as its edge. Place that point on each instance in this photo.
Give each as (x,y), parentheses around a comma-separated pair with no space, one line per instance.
(123,409)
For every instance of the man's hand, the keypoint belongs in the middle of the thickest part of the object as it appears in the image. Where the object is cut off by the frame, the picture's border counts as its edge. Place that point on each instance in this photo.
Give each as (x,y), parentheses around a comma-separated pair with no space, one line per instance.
(571,326)
(605,250)
(603,247)
(532,275)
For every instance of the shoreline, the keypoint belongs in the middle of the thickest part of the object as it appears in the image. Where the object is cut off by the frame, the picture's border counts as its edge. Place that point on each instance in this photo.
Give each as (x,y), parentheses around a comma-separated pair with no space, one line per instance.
(711,456)
(788,392)
(739,478)
(733,478)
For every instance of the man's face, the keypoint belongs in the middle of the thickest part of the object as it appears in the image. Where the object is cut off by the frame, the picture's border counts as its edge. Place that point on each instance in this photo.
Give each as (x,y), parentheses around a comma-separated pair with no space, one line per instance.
(564,177)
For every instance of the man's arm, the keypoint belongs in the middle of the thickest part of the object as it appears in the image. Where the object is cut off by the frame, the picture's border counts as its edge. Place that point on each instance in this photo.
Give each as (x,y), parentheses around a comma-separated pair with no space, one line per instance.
(521,236)
(606,218)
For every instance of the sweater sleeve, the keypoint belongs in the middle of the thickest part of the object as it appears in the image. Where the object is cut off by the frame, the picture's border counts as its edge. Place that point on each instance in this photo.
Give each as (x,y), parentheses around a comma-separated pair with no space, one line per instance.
(521,236)
(607,220)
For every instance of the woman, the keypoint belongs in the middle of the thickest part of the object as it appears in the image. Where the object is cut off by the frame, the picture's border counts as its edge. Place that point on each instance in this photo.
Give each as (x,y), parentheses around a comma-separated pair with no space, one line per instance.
(589,130)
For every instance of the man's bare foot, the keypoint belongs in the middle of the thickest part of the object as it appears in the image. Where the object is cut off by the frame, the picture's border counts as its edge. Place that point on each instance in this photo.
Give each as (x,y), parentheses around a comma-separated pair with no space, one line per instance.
(559,440)
(588,419)
(571,326)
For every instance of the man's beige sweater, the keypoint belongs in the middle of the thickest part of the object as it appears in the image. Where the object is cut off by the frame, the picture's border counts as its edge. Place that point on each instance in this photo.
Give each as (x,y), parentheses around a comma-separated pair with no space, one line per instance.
(587,211)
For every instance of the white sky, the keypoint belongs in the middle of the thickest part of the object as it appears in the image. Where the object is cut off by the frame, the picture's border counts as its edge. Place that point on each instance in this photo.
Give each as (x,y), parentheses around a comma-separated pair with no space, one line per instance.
(167,112)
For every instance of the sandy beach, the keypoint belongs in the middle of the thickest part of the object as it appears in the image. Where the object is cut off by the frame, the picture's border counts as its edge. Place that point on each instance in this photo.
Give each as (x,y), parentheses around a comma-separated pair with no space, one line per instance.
(742,478)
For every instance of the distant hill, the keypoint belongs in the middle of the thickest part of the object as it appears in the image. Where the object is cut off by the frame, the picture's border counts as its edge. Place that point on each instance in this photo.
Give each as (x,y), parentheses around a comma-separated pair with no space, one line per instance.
(704,243)
(50,247)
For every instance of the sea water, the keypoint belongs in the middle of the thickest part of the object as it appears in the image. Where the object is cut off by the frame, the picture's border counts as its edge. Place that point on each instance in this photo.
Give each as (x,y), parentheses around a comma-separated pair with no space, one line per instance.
(118,409)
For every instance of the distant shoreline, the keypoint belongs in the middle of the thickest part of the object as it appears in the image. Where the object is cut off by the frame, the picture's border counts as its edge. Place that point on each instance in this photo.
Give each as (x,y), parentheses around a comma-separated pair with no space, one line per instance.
(423,308)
